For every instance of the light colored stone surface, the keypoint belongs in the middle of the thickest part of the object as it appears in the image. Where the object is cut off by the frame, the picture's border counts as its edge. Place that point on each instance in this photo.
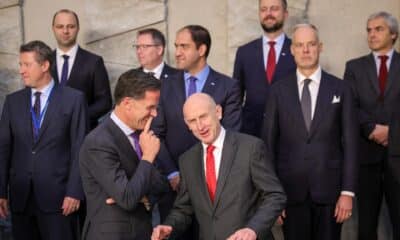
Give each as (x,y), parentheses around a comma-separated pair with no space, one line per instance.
(8,3)
(108,18)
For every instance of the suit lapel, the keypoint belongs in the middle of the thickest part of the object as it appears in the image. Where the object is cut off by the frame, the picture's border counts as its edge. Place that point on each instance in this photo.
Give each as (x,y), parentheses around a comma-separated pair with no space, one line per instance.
(372,74)
(79,61)
(227,159)
(198,165)
(26,116)
(324,98)
(282,60)
(259,60)
(211,83)
(393,72)
(179,89)
(54,71)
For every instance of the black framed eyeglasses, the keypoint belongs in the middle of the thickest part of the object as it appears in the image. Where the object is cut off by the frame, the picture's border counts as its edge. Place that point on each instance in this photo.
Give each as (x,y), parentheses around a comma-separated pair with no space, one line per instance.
(144,46)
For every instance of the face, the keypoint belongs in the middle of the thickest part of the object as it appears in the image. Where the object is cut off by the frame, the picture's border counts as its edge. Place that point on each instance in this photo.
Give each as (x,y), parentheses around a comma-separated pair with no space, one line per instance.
(32,72)
(306,48)
(379,37)
(65,30)
(148,53)
(139,111)
(272,15)
(187,56)
(203,120)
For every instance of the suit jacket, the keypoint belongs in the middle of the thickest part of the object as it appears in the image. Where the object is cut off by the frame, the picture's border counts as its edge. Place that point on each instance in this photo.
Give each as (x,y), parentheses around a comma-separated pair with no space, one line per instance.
(110,168)
(89,75)
(322,162)
(51,163)
(166,72)
(249,69)
(248,192)
(169,124)
(363,78)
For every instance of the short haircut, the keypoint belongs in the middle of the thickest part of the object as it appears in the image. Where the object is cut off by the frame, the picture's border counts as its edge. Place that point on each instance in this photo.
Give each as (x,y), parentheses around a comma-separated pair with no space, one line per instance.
(42,52)
(306,25)
(156,35)
(390,20)
(200,35)
(284,4)
(134,83)
(66,11)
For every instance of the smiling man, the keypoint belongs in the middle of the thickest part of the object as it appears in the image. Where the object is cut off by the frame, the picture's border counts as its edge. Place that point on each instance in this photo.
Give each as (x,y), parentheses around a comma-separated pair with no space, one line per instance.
(228,182)
(375,80)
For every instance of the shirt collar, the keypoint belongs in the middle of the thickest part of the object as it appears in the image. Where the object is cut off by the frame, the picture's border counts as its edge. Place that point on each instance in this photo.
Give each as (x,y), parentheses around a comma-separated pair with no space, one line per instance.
(219,142)
(201,76)
(125,128)
(315,77)
(278,40)
(157,70)
(389,54)
(45,91)
(71,52)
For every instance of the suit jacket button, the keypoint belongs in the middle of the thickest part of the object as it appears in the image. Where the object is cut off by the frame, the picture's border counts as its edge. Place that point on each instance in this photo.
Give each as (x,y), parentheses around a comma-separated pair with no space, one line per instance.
(33,152)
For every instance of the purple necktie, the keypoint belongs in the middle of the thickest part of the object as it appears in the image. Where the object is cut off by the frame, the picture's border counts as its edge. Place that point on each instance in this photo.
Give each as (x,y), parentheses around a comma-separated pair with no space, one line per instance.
(64,71)
(192,86)
(135,137)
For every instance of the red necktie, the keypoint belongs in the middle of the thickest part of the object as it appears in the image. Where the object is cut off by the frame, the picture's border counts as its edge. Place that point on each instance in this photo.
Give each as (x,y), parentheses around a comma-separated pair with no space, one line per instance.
(210,172)
(271,61)
(383,73)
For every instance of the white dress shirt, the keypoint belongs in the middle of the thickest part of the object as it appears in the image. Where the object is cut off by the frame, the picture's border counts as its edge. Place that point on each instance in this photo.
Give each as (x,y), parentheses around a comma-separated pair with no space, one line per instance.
(44,96)
(218,144)
(157,70)
(313,86)
(278,47)
(378,60)
(60,60)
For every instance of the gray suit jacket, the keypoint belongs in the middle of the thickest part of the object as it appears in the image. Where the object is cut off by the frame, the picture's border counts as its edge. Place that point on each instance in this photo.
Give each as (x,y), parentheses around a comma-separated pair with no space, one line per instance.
(110,168)
(248,192)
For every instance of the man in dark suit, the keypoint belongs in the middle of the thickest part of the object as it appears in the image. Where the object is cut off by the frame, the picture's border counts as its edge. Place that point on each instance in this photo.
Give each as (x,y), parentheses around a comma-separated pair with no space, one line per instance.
(253,67)
(116,162)
(192,44)
(375,81)
(41,130)
(78,68)
(310,128)
(227,181)
(150,48)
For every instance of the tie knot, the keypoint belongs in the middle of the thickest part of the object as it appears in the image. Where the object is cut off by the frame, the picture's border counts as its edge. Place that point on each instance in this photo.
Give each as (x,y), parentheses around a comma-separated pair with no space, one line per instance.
(37,94)
(383,58)
(192,79)
(66,57)
(210,148)
(271,43)
(135,135)
(307,81)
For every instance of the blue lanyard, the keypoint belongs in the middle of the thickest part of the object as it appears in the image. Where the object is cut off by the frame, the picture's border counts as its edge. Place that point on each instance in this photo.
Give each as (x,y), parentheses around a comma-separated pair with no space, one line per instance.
(36,121)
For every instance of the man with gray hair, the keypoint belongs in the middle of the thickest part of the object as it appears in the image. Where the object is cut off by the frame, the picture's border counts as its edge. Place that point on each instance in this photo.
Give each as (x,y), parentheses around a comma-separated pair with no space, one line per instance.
(310,129)
(375,81)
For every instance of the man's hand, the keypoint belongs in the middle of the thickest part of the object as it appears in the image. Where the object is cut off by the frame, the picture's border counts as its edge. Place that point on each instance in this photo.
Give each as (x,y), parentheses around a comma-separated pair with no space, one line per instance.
(243,234)
(174,182)
(344,207)
(281,218)
(149,143)
(70,205)
(161,232)
(3,208)
(380,134)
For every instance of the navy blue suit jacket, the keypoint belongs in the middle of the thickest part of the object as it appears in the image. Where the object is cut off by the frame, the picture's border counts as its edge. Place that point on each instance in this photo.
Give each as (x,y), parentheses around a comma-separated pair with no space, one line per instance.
(50,163)
(249,69)
(169,124)
(323,161)
(89,75)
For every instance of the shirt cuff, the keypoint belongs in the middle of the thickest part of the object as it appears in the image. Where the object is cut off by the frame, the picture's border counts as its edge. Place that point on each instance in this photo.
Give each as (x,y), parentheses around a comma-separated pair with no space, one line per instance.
(172,175)
(347,193)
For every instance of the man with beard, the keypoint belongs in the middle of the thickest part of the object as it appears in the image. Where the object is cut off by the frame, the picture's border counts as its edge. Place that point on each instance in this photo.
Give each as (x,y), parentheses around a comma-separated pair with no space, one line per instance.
(78,68)
(262,62)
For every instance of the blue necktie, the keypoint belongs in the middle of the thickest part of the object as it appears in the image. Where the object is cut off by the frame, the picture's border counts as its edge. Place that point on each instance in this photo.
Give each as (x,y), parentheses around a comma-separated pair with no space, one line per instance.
(192,86)
(135,137)
(64,72)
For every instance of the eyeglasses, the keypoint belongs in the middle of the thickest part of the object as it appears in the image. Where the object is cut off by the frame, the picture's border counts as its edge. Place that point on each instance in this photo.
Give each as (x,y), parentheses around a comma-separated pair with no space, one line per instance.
(144,46)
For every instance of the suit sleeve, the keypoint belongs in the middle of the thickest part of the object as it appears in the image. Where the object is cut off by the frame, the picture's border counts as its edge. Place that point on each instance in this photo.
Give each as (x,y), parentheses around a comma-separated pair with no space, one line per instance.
(102,94)
(272,196)
(238,72)
(5,147)
(78,130)
(367,122)
(232,109)
(350,133)
(102,163)
(164,160)
(180,217)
